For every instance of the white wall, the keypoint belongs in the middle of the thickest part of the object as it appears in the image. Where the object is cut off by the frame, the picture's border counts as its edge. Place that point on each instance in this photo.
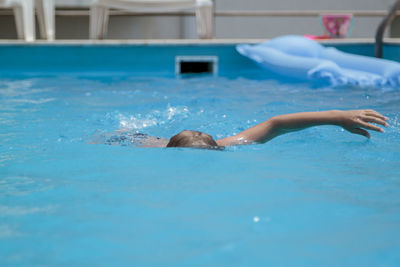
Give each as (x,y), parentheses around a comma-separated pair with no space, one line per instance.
(141,27)
(256,27)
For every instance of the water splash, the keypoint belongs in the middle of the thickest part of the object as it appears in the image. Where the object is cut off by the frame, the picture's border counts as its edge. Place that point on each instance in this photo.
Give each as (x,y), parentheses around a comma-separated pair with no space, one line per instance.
(154,118)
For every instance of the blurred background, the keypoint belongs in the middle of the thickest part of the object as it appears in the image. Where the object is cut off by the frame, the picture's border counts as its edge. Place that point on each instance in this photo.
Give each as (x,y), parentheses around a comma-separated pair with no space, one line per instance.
(233,19)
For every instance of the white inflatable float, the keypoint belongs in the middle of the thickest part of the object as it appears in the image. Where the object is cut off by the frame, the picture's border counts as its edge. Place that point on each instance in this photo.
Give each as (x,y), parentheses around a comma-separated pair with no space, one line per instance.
(305,59)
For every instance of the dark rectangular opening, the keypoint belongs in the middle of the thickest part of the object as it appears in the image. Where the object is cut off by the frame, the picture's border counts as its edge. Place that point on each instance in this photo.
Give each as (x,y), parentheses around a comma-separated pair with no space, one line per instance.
(196,67)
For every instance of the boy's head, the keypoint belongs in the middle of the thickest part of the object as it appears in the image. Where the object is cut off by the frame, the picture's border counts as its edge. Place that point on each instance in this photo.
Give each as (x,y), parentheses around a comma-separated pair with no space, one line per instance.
(192,139)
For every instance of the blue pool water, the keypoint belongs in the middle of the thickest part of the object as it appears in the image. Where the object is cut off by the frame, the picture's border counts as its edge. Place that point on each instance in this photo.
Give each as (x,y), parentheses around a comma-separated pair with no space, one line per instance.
(317,197)
(321,196)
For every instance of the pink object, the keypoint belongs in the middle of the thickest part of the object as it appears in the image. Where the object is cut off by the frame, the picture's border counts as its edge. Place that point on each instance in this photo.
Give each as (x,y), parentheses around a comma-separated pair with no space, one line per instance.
(337,25)
(316,37)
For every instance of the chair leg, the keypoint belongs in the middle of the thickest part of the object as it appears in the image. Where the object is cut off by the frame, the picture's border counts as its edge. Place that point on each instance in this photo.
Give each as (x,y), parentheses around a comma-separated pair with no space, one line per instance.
(19,21)
(93,21)
(28,13)
(41,19)
(45,10)
(204,19)
(104,26)
(98,22)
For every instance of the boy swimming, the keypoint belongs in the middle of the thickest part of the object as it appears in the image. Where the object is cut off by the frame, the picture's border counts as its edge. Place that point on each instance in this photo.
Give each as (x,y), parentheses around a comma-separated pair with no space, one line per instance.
(354,121)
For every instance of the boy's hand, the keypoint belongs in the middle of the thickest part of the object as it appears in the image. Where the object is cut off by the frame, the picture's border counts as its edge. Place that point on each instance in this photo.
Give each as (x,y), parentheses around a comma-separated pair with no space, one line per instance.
(354,120)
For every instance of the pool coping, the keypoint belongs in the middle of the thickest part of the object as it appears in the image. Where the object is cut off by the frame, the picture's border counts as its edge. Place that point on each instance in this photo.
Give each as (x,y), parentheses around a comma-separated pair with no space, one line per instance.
(184,41)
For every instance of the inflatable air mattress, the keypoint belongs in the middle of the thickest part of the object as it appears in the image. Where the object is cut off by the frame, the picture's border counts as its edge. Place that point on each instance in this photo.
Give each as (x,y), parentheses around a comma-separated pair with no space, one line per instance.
(301,58)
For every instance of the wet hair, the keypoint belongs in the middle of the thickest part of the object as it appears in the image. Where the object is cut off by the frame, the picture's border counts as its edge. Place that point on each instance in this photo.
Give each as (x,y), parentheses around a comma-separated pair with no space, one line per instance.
(192,139)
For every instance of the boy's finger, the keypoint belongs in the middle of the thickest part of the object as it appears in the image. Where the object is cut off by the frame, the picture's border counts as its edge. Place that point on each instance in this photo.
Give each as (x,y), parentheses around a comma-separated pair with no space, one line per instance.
(371,126)
(376,120)
(376,114)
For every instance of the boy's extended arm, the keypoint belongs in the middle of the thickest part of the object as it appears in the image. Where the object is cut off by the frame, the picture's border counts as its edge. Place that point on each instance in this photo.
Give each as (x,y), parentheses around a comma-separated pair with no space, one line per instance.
(352,120)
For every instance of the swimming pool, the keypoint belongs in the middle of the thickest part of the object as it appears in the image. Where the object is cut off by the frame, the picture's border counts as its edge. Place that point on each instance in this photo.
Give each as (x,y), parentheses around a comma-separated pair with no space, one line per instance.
(317,197)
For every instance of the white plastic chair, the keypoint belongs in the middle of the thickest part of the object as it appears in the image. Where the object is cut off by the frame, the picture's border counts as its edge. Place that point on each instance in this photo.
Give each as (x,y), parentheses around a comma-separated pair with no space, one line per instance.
(99,13)
(24,13)
(24,17)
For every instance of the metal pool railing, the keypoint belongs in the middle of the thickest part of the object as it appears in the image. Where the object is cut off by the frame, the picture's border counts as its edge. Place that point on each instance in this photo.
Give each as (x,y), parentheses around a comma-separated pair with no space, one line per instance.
(382,27)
